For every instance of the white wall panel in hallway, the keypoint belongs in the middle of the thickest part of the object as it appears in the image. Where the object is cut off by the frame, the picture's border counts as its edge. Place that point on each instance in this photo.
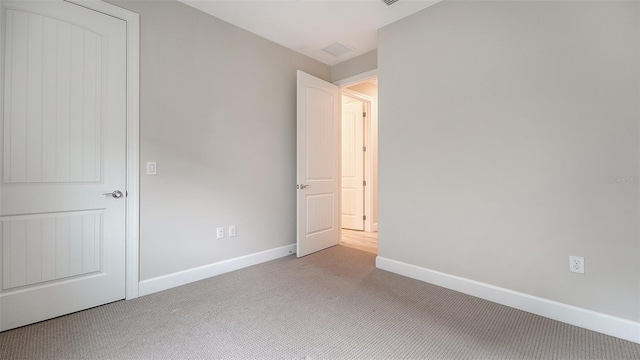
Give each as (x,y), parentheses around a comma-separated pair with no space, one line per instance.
(353,165)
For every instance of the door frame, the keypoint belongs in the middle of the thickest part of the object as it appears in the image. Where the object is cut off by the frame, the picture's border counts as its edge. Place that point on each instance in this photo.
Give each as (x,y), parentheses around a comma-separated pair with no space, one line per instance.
(368,156)
(132,207)
(366,176)
(372,127)
(356,79)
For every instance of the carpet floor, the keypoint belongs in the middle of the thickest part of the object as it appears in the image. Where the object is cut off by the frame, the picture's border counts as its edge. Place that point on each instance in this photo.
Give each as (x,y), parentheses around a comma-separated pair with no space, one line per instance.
(333,304)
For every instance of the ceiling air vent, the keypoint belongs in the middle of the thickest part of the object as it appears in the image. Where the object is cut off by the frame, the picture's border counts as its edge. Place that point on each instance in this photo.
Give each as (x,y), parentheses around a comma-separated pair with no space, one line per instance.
(337,49)
(389,2)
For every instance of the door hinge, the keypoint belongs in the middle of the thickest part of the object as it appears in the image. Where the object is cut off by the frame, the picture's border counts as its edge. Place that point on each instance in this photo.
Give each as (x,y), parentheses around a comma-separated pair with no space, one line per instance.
(364,148)
(364,217)
(364,114)
(364,182)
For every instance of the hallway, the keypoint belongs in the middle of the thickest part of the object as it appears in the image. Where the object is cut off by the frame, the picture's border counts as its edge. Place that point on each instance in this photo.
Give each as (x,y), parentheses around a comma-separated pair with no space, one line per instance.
(361,240)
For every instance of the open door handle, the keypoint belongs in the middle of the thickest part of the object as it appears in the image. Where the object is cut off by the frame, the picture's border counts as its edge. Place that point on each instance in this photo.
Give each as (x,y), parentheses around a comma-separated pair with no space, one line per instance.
(116,194)
(303,186)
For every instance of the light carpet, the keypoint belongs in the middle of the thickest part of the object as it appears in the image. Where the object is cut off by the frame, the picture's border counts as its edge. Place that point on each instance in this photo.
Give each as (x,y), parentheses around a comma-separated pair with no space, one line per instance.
(332,304)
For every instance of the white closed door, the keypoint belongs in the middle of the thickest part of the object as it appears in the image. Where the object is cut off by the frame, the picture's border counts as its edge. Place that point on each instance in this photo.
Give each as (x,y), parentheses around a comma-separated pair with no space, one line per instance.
(63,145)
(353,165)
(318,168)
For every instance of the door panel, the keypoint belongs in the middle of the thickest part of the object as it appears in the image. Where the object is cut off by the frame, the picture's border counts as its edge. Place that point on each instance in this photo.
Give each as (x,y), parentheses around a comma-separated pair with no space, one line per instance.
(52,131)
(45,248)
(318,165)
(63,146)
(353,166)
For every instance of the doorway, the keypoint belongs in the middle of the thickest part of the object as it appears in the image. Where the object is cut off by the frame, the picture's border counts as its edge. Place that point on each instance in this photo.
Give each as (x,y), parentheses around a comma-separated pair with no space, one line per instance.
(359,193)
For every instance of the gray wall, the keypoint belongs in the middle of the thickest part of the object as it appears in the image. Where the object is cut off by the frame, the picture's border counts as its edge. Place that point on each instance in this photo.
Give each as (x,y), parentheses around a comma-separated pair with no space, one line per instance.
(509,140)
(218,114)
(357,65)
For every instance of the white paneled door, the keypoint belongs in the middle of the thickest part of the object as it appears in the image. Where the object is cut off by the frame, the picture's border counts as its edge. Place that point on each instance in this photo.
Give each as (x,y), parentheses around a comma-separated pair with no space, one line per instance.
(63,145)
(318,170)
(353,165)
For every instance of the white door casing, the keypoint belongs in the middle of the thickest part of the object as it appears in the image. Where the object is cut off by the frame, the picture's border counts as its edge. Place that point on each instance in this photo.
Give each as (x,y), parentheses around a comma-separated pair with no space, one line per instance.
(370,156)
(352,208)
(64,144)
(318,165)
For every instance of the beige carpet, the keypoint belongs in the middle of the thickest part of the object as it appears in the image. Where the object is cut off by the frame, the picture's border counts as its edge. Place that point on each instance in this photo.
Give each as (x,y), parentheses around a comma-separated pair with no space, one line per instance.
(332,304)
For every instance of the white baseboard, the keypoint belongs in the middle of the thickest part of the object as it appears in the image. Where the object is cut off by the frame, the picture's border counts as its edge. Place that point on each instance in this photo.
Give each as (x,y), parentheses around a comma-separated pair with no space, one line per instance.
(588,319)
(169,281)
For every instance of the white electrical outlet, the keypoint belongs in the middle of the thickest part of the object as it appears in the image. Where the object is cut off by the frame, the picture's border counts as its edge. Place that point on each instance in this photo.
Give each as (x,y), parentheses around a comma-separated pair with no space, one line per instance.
(152,168)
(232,231)
(576,264)
(220,233)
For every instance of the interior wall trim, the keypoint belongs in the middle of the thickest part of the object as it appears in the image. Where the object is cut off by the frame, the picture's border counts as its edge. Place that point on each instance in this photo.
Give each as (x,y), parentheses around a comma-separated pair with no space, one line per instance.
(573,315)
(367,75)
(132,225)
(184,277)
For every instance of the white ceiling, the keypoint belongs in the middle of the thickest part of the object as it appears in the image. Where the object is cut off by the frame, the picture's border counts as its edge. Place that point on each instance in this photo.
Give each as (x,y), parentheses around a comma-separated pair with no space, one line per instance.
(308,26)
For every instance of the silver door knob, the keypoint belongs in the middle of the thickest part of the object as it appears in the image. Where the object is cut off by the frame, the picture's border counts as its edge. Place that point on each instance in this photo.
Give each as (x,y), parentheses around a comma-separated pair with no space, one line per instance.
(116,194)
(303,186)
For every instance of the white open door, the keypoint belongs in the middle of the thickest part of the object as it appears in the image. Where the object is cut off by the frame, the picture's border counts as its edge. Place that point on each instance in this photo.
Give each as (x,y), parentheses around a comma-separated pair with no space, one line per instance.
(352,208)
(62,146)
(318,170)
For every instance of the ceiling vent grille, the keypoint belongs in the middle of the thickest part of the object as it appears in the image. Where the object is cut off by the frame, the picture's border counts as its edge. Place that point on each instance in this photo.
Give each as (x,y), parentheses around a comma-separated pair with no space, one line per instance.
(337,49)
(389,2)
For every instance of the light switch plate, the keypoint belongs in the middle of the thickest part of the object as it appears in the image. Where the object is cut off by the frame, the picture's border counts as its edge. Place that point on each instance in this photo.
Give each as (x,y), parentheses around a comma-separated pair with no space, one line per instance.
(152,168)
